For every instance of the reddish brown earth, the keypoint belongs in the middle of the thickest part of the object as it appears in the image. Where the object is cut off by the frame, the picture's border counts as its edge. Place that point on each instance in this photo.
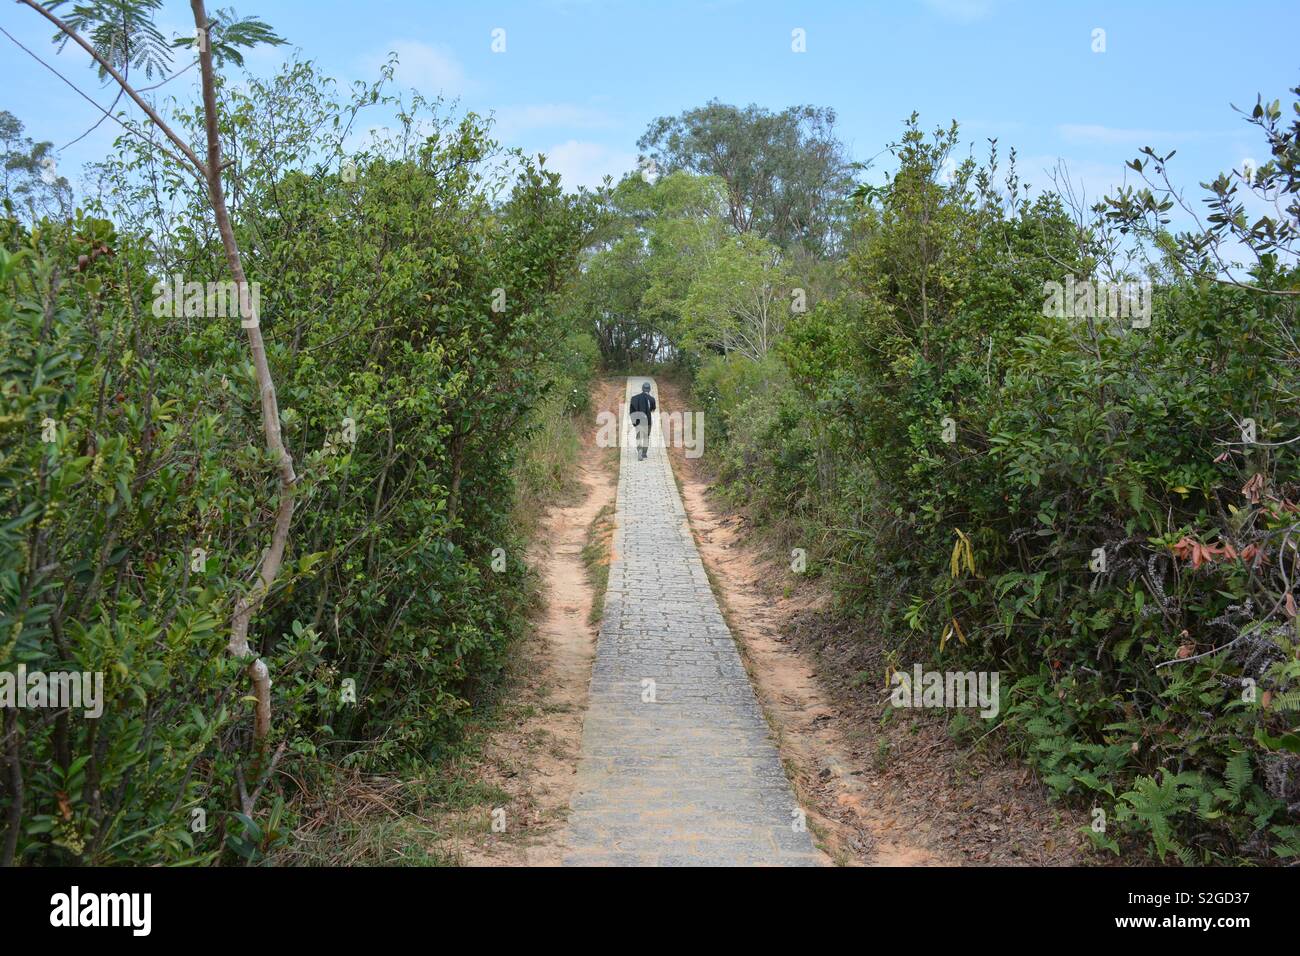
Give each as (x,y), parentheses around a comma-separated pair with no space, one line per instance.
(902,793)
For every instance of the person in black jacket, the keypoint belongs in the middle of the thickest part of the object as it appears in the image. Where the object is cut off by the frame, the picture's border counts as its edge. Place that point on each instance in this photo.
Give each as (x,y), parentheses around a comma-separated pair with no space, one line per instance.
(642,408)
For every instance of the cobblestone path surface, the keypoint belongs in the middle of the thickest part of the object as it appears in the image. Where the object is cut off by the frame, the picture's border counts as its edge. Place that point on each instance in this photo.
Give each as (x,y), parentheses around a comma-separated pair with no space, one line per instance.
(678,766)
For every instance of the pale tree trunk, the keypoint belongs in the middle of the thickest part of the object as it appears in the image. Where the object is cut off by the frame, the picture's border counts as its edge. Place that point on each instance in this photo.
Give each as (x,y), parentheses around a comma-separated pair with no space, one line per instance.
(247,606)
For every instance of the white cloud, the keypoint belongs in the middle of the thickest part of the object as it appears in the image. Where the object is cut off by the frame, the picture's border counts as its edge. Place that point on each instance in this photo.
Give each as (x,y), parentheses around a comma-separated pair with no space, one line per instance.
(584,163)
(433,70)
(513,120)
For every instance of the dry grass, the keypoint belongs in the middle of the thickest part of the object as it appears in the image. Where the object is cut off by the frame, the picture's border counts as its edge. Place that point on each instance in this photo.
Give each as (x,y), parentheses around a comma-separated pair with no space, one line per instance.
(361,819)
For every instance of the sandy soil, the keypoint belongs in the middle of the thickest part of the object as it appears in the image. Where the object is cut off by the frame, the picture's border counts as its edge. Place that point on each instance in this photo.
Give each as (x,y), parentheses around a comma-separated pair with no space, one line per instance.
(901,794)
(533,756)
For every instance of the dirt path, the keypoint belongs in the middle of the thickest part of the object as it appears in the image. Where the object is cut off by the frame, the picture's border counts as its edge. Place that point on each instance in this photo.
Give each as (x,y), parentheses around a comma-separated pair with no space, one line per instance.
(896,795)
(533,756)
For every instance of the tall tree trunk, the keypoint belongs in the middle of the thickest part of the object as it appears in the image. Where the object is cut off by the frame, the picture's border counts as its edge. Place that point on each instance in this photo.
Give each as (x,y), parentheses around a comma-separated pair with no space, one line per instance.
(248,604)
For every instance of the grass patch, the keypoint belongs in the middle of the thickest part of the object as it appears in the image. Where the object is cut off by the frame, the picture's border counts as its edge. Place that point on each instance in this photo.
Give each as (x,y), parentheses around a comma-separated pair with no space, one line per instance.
(368,820)
(595,558)
(546,472)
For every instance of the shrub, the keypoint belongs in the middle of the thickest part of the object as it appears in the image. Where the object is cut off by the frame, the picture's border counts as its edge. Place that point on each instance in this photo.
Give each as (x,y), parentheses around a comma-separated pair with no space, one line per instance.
(1160,687)
(405,397)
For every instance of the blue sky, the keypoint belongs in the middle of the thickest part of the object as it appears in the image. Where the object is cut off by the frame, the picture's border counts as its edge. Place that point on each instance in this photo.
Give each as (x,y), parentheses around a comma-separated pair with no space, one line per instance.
(580,79)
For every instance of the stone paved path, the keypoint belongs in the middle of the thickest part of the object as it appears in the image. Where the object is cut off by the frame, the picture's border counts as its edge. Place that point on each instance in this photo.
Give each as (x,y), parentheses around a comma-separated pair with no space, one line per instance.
(677,765)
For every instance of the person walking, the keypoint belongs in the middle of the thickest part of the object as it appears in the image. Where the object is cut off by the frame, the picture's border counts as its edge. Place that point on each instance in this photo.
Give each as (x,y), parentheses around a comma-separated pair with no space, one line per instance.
(642,409)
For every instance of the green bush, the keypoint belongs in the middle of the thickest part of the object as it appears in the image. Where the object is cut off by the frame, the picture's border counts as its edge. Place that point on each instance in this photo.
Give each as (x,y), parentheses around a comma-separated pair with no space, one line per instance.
(1162,689)
(405,398)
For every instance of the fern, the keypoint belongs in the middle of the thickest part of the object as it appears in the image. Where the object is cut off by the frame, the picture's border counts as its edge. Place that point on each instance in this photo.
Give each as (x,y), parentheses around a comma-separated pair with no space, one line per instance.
(1290,846)
(1238,775)
(1157,805)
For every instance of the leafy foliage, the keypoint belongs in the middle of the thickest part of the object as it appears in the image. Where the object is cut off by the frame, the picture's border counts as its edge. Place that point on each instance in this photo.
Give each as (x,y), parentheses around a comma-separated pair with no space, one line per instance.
(407,398)
(1159,687)
(785,173)
(227,32)
(121,31)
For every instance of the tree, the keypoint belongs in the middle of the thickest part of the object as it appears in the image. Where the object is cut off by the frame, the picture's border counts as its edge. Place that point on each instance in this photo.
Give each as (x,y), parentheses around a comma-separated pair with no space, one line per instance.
(639,262)
(117,30)
(785,173)
(1269,232)
(687,228)
(30,181)
(608,296)
(740,301)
